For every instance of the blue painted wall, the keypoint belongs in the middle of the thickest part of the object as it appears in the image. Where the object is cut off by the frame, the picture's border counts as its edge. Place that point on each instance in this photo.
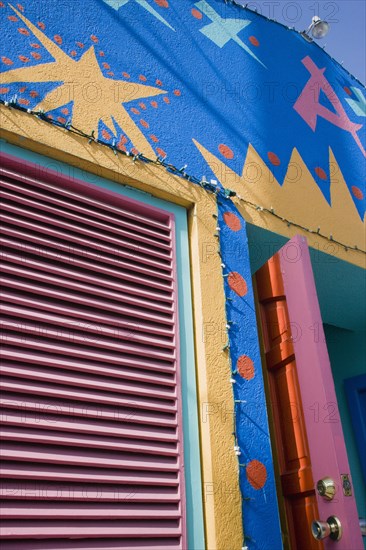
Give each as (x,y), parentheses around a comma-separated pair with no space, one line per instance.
(230,78)
(251,431)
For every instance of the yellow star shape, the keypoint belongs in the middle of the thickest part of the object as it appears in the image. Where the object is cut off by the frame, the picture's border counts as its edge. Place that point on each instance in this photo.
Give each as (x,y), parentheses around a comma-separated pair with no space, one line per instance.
(95,97)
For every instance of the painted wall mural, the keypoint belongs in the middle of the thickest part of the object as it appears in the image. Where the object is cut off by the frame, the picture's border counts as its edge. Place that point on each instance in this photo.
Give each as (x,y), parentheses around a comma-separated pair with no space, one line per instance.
(251,433)
(205,84)
(154,75)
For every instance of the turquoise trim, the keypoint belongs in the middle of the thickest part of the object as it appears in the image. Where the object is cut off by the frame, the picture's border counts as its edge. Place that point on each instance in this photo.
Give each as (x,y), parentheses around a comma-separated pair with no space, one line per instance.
(195,529)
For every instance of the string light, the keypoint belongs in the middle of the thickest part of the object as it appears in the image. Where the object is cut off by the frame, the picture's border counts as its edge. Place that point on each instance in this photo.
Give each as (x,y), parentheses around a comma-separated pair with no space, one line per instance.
(298,225)
(211,187)
(234,371)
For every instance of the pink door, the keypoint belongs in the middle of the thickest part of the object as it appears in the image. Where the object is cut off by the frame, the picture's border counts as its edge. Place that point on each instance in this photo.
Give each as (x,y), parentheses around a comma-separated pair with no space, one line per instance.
(300,383)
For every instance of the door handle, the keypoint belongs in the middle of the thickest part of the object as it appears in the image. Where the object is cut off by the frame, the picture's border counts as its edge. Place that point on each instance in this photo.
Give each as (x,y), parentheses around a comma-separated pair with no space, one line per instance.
(326,488)
(331,528)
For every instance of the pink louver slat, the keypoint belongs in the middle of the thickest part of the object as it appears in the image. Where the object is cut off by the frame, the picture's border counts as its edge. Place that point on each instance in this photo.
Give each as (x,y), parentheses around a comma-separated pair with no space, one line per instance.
(124,238)
(33,407)
(90,409)
(126,271)
(94,544)
(85,511)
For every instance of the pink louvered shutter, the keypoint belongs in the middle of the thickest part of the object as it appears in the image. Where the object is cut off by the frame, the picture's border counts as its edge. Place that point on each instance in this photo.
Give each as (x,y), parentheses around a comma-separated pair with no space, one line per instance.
(91,431)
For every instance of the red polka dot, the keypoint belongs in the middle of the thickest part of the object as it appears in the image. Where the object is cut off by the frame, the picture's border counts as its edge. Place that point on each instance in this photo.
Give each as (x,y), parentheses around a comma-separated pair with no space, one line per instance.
(41,25)
(154,138)
(106,134)
(20,7)
(61,119)
(36,55)
(144,123)
(159,83)
(7,61)
(50,117)
(143,106)
(166,100)
(65,111)
(253,40)
(101,54)
(135,111)
(12,18)
(22,89)
(177,92)
(34,45)
(347,90)
(256,474)
(121,146)
(126,75)
(232,221)
(161,152)
(23,101)
(142,78)
(80,44)
(226,151)
(162,3)
(273,159)
(73,53)
(134,151)
(357,192)
(245,367)
(33,93)
(123,140)
(154,104)
(197,14)
(4,90)
(23,31)
(94,38)
(237,283)
(23,58)
(2,5)
(320,173)
(110,73)
(106,66)
(57,38)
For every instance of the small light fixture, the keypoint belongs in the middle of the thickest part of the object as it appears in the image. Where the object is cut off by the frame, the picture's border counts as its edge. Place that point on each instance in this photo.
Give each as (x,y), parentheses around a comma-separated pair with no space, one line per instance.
(318,28)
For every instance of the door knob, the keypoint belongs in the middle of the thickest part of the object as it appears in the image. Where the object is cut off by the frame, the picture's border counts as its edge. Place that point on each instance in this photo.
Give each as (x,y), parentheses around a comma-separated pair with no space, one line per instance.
(331,528)
(326,488)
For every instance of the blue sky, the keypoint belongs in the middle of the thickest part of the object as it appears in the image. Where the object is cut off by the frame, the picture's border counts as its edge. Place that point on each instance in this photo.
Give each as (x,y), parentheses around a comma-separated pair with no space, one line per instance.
(346,39)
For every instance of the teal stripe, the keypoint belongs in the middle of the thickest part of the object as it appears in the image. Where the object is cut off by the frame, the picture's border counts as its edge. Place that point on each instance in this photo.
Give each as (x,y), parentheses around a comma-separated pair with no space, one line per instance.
(195,529)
